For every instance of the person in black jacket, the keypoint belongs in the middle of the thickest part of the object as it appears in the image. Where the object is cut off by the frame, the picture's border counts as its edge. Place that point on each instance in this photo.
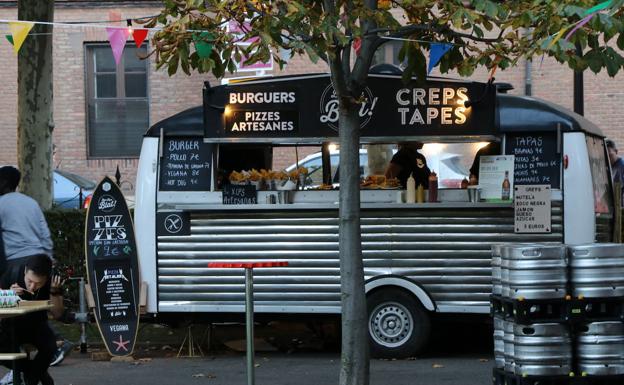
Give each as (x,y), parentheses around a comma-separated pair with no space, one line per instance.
(33,282)
(409,161)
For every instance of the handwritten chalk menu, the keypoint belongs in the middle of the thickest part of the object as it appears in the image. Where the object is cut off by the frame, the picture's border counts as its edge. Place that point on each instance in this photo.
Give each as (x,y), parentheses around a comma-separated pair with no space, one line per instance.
(532,209)
(239,194)
(537,160)
(495,177)
(113,267)
(115,289)
(185,165)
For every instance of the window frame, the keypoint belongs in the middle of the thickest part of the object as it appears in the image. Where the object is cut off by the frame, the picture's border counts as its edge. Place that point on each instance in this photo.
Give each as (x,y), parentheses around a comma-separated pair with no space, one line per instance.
(89,49)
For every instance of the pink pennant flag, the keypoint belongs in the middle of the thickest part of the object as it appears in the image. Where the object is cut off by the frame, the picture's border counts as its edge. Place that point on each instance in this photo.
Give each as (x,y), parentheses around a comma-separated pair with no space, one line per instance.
(117,38)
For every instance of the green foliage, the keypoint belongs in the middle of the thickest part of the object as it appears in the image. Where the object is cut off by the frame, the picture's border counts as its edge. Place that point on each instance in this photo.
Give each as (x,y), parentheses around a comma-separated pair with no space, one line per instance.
(484,33)
(67,230)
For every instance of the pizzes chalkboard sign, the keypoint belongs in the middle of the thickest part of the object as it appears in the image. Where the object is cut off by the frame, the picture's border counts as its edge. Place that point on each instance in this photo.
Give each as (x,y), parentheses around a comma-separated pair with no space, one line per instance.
(239,194)
(537,158)
(185,165)
(113,267)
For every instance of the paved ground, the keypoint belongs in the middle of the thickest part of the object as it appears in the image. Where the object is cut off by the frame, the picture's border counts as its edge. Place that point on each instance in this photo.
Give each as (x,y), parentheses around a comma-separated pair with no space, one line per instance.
(272,369)
(457,355)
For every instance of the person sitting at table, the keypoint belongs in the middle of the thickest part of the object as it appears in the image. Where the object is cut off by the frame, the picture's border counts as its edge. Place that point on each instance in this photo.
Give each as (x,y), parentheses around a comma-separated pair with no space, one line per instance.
(409,161)
(35,282)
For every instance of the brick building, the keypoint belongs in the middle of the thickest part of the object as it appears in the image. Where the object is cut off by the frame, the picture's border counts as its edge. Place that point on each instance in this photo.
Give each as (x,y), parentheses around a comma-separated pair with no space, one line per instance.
(101,110)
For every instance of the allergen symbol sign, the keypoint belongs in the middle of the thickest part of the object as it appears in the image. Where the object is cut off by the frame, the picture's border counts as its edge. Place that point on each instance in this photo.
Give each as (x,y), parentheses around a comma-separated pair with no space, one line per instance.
(173,223)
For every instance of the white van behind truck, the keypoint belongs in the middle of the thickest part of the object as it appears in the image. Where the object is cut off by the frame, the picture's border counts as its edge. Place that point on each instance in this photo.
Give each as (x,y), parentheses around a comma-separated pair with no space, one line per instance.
(420,259)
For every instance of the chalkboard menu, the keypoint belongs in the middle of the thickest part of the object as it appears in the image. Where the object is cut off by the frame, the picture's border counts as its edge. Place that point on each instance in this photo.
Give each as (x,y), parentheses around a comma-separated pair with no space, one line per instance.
(239,195)
(115,288)
(185,165)
(537,158)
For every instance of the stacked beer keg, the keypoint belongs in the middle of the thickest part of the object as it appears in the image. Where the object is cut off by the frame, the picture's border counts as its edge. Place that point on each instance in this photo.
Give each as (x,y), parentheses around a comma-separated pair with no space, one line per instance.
(597,279)
(558,312)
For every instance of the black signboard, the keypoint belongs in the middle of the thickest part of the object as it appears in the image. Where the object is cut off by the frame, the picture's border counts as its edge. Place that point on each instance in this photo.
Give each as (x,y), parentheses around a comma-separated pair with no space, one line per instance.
(239,194)
(537,158)
(115,289)
(185,165)
(112,267)
(173,223)
(389,108)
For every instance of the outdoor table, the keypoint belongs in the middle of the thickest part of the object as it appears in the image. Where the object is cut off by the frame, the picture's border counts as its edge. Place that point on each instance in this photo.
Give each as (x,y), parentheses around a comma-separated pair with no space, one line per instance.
(24,307)
(249,305)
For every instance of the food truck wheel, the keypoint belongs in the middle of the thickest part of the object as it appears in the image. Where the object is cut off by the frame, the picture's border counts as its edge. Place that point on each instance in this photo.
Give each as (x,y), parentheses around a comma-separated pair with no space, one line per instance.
(398,325)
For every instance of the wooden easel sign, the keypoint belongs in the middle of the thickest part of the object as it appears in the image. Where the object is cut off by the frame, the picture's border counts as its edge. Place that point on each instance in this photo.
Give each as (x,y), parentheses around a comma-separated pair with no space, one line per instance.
(113,268)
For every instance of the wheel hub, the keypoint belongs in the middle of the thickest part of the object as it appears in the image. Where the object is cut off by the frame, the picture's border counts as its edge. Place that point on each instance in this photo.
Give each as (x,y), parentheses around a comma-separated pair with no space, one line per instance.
(391,324)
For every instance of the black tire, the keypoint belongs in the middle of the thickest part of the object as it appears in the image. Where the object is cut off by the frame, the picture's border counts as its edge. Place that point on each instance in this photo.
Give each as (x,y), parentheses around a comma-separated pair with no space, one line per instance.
(398,325)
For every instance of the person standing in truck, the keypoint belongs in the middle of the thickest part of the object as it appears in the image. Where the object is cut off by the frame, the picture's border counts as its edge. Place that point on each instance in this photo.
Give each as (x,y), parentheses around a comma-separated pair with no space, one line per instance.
(408,161)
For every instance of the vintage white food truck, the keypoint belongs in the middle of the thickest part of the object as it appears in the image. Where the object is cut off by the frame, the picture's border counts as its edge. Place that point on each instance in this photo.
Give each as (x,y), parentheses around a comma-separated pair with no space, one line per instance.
(419,258)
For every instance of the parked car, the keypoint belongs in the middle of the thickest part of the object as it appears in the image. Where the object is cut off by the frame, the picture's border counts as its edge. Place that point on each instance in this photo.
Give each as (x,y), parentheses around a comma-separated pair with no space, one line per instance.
(71,191)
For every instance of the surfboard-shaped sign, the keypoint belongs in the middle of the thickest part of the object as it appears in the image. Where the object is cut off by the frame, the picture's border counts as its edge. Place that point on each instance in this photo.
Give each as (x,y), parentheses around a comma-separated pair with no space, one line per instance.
(113,268)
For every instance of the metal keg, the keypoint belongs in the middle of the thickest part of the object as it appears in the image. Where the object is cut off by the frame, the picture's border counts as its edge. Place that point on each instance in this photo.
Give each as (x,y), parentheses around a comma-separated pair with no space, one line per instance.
(542,349)
(600,348)
(497,287)
(499,342)
(597,270)
(508,346)
(534,271)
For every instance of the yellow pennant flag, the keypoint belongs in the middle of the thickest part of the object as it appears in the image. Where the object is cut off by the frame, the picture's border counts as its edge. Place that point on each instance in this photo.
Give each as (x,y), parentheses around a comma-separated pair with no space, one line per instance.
(19,31)
(556,38)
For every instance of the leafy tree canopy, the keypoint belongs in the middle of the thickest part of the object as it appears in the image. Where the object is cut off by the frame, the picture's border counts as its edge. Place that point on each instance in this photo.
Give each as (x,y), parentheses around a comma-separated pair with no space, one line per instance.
(483,32)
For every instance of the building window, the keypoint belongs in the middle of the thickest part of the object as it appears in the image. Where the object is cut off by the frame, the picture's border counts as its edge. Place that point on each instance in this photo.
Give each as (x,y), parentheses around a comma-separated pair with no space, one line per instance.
(117,104)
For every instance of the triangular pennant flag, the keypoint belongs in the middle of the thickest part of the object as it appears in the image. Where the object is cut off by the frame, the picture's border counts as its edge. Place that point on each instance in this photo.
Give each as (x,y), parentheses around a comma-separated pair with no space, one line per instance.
(556,38)
(9,38)
(357,45)
(580,24)
(202,45)
(19,31)
(598,7)
(139,35)
(435,54)
(117,38)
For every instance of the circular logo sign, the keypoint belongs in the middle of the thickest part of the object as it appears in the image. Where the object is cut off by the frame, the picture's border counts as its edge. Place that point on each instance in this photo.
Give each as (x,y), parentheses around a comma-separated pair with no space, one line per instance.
(173,223)
(330,112)
(106,186)
(106,203)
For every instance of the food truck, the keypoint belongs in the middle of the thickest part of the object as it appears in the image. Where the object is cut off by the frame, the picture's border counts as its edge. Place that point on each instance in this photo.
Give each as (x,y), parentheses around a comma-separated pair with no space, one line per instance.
(420,259)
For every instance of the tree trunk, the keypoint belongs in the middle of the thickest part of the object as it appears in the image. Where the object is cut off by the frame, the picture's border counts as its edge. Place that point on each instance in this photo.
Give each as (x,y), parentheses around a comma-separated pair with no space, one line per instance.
(34,108)
(355,354)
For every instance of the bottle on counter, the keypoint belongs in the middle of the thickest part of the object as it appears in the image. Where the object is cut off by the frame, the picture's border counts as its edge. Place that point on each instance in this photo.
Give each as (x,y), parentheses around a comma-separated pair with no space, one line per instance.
(473,180)
(506,193)
(464,183)
(410,194)
(433,187)
(420,194)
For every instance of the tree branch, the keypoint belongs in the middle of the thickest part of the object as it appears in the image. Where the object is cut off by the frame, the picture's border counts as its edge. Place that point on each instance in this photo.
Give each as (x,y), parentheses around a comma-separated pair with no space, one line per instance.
(443,29)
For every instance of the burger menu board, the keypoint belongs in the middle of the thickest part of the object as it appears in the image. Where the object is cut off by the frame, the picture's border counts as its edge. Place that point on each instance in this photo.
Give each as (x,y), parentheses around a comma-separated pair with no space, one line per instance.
(185,164)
